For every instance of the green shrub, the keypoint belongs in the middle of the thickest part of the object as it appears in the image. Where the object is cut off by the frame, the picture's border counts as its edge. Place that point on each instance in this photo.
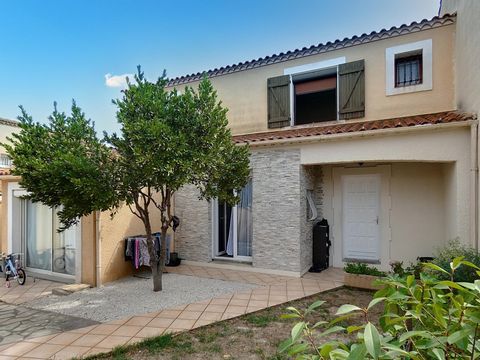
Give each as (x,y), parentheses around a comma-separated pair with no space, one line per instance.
(425,319)
(454,249)
(362,269)
(413,269)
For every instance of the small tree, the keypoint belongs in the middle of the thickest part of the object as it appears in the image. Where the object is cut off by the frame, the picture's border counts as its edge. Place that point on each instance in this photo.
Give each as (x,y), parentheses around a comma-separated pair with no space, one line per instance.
(168,140)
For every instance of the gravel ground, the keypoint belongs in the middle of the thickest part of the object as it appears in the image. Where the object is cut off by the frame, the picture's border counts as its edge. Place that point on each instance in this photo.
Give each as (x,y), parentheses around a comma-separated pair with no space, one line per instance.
(134,296)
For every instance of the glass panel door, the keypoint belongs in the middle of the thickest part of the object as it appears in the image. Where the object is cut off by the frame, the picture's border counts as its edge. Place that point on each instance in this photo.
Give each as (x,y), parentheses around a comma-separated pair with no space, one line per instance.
(38,236)
(64,249)
(45,248)
(234,226)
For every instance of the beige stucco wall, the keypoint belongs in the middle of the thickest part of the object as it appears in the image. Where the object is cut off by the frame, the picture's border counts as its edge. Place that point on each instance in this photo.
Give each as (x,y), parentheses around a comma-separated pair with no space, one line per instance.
(467,53)
(89,251)
(6,131)
(245,93)
(3,216)
(112,232)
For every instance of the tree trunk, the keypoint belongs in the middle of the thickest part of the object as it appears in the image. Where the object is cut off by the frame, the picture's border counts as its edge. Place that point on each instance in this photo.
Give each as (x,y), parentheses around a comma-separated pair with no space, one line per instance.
(155,262)
(163,249)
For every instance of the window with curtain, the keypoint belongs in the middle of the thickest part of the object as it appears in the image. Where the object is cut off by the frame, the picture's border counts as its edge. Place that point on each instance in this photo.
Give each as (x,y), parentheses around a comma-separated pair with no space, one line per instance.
(241,219)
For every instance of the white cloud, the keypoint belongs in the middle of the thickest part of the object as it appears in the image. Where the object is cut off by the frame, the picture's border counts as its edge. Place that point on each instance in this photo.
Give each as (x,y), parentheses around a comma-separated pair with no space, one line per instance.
(117,80)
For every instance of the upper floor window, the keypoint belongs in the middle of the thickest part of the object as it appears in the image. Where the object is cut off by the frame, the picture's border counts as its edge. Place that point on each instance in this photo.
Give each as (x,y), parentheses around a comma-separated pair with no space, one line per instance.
(409,67)
(317,95)
(316,99)
(5,161)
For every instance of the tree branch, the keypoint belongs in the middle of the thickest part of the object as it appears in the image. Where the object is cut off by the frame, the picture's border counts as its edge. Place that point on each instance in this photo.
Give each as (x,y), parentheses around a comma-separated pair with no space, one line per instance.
(134,212)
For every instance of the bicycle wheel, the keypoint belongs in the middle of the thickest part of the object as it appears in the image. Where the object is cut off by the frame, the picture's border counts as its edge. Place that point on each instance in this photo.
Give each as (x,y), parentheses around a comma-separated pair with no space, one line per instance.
(21,276)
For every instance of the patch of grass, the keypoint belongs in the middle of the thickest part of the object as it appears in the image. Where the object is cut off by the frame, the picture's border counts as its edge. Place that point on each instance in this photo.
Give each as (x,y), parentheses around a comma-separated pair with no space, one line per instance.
(206,336)
(266,356)
(214,348)
(120,353)
(260,320)
(155,344)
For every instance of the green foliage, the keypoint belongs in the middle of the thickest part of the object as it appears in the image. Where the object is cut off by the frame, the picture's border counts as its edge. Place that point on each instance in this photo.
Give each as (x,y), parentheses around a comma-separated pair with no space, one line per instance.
(413,269)
(426,319)
(260,320)
(64,164)
(454,249)
(362,269)
(168,139)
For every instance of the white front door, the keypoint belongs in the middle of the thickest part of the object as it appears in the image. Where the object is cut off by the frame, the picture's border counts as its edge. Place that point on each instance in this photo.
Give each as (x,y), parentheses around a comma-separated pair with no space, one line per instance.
(361,202)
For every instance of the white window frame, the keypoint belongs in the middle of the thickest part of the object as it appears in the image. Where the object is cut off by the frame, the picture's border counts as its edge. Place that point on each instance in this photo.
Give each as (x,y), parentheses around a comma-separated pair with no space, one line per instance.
(425,46)
(306,68)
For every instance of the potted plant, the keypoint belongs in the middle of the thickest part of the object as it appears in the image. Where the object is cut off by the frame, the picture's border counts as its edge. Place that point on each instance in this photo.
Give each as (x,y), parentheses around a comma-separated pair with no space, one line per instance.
(363,276)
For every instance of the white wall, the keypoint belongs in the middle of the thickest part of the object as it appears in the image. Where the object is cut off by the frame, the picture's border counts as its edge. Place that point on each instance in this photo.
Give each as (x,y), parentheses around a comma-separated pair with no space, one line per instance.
(449,145)
(412,211)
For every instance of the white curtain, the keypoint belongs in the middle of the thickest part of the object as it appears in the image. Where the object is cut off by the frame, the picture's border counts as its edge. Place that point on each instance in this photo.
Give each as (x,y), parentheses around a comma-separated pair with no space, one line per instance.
(244,221)
(39,236)
(230,236)
(244,224)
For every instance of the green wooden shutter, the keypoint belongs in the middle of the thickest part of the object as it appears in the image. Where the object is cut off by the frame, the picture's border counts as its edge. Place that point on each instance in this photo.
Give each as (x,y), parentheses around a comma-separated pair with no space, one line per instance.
(278,101)
(351,89)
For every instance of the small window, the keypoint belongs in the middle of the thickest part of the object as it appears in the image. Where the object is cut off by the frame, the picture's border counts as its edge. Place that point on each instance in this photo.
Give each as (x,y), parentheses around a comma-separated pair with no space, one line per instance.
(316,99)
(408,69)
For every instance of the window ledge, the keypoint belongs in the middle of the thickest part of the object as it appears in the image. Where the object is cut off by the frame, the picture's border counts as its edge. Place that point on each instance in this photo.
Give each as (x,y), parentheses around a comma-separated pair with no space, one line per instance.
(408,89)
(226,259)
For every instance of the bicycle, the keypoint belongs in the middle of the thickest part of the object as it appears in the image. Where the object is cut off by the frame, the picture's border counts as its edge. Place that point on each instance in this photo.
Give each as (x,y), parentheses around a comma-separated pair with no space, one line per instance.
(13,267)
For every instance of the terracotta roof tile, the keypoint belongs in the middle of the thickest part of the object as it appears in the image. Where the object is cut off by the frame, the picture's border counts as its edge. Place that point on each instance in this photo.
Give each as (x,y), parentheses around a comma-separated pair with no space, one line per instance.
(4,171)
(351,127)
(320,48)
(9,122)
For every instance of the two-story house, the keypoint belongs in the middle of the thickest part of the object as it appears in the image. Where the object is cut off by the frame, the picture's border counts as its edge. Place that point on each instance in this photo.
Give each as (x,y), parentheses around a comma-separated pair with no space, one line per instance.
(375,133)
(363,132)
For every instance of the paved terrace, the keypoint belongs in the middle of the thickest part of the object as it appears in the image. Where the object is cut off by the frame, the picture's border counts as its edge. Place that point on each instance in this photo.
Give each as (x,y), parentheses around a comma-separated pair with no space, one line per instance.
(272,290)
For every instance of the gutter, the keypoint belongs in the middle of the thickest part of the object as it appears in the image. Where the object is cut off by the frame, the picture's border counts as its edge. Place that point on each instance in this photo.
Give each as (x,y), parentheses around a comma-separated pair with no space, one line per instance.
(98,258)
(360,134)
(474,191)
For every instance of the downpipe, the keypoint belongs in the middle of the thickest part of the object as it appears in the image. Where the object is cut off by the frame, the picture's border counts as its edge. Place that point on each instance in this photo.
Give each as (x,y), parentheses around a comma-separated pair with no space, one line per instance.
(474,183)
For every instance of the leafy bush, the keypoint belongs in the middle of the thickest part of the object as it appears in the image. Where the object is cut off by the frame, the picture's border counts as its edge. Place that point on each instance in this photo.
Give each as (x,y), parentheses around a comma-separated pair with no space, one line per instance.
(426,319)
(413,269)
(362,269)
(455,249)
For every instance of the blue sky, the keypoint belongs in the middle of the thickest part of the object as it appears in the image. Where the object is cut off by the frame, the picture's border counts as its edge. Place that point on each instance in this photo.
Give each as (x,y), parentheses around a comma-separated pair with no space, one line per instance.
(59,50)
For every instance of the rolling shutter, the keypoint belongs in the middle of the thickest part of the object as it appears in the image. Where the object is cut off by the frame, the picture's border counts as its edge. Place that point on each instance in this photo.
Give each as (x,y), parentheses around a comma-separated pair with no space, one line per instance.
(278,101)
(351,88)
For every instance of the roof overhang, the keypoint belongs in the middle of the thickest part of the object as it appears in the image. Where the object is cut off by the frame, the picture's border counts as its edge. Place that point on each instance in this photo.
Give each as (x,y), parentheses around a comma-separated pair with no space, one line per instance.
(426,122)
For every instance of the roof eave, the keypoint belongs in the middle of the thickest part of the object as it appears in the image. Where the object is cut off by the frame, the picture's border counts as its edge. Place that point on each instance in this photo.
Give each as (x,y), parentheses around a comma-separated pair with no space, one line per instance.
(404,29)
(359,134)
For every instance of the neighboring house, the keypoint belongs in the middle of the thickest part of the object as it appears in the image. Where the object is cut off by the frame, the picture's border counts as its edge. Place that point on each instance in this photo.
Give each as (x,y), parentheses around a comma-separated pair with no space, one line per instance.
(91,252)
(364,132)
(373,133)
(7,128)
(467,74)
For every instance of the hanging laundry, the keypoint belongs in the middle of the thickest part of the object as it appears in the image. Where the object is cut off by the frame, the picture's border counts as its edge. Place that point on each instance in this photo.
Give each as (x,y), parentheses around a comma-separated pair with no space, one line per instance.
(136,249)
